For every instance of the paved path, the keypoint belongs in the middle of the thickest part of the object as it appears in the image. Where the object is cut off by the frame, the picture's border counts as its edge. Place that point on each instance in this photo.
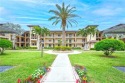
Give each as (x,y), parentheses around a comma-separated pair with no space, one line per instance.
(61,71)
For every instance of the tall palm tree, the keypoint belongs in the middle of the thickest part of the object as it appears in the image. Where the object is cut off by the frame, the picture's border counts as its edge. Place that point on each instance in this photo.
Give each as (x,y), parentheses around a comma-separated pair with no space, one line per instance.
(63,15)
(83,33)
(40,32)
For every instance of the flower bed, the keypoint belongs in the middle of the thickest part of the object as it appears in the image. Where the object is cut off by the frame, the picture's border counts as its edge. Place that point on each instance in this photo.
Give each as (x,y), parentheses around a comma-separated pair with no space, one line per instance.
(82,73)
(36,76)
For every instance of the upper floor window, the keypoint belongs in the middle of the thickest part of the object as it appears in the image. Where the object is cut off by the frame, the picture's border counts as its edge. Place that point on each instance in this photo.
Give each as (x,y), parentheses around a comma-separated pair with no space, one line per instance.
(59,35)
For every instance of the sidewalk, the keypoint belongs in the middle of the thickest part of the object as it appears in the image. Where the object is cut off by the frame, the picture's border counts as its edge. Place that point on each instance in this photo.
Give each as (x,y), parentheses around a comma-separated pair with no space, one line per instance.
(61,71)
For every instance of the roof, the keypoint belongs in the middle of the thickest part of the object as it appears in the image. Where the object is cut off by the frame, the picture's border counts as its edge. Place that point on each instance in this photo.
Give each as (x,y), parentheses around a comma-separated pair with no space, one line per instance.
(120,28)
(5,29)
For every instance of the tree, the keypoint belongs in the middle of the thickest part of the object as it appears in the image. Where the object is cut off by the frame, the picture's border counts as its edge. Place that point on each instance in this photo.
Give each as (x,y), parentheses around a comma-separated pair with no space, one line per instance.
(63,15)
(92,30)
(109,46)
(4,43)
(40,32)
(83,33)
(59,42)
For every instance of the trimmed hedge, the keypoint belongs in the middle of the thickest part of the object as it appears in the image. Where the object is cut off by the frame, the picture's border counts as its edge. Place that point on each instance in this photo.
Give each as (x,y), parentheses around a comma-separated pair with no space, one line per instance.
(76,48)
(48,47)
(62,48)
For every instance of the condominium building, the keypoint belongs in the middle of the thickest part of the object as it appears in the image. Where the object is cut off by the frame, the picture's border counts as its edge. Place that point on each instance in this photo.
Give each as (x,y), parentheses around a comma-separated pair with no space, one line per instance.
(55,38)
(29,39)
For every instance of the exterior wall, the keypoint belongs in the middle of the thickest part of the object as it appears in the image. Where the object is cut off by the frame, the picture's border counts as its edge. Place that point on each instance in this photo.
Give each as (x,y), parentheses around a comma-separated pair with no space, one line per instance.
(56,36)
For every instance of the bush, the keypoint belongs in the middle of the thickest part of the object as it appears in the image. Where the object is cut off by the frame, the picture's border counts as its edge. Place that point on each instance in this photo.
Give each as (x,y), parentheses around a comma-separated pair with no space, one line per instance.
(76,48)
(32,47)
(48,47)
(109,46)
(92,48)
(62,48)
(4,43)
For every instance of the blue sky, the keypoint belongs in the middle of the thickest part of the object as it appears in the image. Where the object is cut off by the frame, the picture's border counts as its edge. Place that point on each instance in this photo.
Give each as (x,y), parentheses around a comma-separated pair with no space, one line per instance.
(105,13)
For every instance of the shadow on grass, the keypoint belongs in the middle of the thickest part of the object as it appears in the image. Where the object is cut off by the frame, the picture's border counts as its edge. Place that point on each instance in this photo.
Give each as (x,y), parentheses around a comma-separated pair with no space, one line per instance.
(4,54)
(110,56)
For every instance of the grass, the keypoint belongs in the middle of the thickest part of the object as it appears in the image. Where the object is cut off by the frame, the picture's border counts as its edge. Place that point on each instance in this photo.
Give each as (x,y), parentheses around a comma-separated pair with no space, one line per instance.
(100,69)
(25,63)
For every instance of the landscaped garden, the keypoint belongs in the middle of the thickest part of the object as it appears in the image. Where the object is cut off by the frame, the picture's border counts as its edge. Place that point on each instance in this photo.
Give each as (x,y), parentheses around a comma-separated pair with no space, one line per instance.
(100,68)
(24,64)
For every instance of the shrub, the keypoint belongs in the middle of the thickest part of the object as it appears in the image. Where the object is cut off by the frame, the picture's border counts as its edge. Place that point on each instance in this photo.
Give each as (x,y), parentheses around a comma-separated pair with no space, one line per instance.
(57,48)
(32,47)
(62,48)
(109,46)
(4,43)
(92,48)
(76,48)
(48,47)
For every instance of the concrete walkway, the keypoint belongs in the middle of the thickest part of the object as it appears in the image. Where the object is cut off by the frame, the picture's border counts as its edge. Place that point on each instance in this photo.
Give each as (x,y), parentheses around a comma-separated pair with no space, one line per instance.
(61,71)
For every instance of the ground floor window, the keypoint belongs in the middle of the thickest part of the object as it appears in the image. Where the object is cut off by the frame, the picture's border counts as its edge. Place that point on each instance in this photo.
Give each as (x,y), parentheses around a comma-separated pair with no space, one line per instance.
(49,45)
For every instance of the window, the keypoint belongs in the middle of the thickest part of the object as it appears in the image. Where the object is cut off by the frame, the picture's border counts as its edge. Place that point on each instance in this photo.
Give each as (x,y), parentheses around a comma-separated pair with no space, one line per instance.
(49,45)
(70,35)
(82,40)
(59,35)
(50,35)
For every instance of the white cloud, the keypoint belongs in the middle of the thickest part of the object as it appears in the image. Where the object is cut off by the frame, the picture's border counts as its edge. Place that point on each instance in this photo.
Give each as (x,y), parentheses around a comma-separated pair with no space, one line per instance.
(2,11)
(25,17)
(107,11)
(41,2)
(27,1)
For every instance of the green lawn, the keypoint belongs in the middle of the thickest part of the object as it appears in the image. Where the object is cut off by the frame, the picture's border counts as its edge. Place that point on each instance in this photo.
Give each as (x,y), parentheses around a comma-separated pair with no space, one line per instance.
(100,69)
(25,63)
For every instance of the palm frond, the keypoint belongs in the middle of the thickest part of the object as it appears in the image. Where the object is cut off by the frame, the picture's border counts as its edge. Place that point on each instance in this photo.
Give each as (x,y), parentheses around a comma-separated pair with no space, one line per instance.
(70,9)
(54,17)
(58,7)
(56,22)
(55,12)
(72,15)
(70,23)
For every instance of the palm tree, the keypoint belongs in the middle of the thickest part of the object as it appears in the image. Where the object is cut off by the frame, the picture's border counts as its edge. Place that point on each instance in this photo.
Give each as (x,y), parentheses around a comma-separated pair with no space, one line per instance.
(64,15)
(40,32)
(92,30)
(83,33)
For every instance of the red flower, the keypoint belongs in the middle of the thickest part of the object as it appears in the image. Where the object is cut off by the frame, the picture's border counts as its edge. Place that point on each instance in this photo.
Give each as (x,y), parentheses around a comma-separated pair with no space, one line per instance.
(40,76)
(19,81)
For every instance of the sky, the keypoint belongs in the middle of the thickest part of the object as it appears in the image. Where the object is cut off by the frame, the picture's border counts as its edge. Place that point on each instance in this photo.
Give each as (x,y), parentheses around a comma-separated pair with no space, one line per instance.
(105,13)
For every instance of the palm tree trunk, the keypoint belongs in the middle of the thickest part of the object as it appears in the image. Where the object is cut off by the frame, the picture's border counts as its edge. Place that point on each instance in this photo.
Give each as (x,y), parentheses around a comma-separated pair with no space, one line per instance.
(85,46)
(89,42)
(38,42)
(63,37)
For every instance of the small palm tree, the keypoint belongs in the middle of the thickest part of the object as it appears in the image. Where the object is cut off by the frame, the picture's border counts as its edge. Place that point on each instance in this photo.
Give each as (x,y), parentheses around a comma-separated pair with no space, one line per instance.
(83,33)
(92,30)
(40,32)
(63,15)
